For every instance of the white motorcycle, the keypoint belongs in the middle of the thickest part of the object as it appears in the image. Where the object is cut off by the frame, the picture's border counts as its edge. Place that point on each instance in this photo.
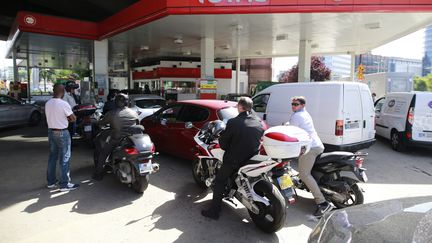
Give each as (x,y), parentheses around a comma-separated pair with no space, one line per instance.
(250,185)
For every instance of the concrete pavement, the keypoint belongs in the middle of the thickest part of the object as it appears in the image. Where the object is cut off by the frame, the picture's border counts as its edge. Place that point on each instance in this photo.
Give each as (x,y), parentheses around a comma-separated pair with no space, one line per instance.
(169,210)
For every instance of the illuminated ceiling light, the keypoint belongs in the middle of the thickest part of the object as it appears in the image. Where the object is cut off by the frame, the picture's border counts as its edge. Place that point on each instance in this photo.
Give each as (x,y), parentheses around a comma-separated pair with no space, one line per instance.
(372,26)
(237,27)
(144,48)
(178,41)
(187,53)
(225,47)
(281,37)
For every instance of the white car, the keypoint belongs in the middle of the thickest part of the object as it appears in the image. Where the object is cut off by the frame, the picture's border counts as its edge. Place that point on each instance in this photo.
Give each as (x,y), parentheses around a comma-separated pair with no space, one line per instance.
(146,104)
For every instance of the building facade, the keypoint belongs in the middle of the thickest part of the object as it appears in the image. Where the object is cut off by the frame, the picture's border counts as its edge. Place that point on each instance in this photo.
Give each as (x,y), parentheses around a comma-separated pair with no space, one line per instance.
(427,58)
(383,64)
(340,66)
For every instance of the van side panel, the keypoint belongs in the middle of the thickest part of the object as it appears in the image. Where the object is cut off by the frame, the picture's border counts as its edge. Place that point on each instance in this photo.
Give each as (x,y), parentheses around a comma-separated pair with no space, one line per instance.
(352,114)
(324,104)
(368,113)
(422,125)
(394,112)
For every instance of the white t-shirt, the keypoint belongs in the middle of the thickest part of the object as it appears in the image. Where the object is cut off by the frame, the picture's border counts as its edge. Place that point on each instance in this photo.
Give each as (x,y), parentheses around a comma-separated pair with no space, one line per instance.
(57,111)
(69,99)
(303,120)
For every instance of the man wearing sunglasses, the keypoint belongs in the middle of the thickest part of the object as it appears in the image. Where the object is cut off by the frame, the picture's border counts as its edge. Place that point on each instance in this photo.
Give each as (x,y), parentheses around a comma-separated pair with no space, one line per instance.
(303,120)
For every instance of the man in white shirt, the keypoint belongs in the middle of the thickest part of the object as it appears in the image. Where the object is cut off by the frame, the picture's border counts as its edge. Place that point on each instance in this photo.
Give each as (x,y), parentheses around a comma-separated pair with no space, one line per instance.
(70,99)
(302,119)
(58,114)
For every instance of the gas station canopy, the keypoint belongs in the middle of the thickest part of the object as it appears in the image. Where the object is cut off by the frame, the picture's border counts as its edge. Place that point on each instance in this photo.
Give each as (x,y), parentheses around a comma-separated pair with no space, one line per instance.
(265,28)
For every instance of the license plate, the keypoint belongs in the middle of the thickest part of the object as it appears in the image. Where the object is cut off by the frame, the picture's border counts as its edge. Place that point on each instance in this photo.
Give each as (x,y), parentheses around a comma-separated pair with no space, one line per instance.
(145,167)
(285,182)
(87,128)
(364,176)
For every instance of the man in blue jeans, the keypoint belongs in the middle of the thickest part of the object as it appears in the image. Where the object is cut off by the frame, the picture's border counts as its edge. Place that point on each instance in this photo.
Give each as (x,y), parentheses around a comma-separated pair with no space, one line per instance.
(58,114)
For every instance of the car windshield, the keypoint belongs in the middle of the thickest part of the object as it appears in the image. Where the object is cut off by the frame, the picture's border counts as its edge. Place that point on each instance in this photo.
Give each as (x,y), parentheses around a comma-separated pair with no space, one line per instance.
(149,103)
(227,113)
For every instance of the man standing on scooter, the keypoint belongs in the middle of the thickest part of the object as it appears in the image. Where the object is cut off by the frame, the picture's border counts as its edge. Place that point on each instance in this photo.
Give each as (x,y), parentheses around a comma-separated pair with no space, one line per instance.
(120,120)
(303,120)
(240,140)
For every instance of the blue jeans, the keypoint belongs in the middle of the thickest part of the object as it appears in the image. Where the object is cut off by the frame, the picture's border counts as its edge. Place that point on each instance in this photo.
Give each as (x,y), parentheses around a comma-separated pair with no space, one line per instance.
(60,150)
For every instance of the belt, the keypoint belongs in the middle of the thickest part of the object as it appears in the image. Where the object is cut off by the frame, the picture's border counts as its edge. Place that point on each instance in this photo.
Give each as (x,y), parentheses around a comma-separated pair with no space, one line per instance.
(55,129)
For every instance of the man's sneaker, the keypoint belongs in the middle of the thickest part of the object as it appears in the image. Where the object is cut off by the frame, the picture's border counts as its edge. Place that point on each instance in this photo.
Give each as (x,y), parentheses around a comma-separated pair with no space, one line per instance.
(69,187)
(322,209)
(52,186)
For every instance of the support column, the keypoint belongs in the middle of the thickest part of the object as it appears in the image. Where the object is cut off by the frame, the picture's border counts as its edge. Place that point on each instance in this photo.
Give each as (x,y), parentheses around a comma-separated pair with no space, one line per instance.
(15,67)
(352,73)
(207,58)
(29,87)
(304,62)
(238,63)
(100,66)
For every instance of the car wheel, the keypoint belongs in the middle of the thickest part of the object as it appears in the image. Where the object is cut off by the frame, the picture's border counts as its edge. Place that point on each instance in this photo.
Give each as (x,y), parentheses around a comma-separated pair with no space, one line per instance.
(35,118)
(397,141)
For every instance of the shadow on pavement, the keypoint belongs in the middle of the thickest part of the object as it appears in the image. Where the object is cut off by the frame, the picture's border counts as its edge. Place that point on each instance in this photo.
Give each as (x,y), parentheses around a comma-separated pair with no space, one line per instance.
(234,223)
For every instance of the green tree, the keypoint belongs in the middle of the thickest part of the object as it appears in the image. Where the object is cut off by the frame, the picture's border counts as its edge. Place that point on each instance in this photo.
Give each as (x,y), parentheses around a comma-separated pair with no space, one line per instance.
(318,72)
(423,83)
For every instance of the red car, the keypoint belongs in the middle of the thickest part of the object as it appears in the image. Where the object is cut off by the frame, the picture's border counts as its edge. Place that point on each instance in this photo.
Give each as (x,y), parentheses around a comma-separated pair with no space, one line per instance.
(167,129)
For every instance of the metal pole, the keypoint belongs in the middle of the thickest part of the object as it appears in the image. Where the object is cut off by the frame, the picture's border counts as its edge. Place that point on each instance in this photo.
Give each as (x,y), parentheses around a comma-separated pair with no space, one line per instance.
(28,77)
(15,68)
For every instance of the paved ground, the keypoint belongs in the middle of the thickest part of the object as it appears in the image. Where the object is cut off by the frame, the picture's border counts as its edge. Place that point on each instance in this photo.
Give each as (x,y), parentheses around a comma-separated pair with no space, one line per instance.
(169,210)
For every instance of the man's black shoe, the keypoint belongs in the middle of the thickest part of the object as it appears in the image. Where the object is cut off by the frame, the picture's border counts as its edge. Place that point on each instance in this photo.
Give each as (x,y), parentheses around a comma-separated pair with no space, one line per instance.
(322,209)
(97,177)
(210,214)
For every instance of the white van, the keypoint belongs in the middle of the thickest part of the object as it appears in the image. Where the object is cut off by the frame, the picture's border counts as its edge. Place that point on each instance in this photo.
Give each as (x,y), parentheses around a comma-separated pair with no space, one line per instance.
(405,118)
(343,112)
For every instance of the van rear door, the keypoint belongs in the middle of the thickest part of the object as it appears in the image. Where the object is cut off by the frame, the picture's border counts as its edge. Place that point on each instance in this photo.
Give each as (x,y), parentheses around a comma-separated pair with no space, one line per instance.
(422,122)
(367,125)
(353,115)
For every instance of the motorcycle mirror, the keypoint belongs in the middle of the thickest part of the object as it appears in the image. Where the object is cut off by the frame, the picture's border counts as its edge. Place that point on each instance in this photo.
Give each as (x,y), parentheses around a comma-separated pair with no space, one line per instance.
(188,125)
(163,122)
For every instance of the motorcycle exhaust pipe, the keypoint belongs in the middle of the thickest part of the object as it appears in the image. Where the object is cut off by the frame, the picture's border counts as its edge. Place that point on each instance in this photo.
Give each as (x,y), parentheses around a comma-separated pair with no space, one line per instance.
(155,167)
(334,195)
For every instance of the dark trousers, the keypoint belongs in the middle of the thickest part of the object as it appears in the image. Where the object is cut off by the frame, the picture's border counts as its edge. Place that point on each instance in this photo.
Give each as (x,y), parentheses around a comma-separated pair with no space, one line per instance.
(102,151)
(222,178)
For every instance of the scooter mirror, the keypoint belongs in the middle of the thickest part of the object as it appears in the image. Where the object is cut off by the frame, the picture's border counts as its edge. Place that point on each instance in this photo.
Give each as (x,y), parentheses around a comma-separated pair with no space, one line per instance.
(163,122)
(188,125)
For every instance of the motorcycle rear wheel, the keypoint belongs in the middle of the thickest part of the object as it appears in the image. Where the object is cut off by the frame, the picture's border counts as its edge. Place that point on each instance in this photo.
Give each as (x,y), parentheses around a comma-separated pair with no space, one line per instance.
(196,175)
(141,183)
(270,218)
(355,198)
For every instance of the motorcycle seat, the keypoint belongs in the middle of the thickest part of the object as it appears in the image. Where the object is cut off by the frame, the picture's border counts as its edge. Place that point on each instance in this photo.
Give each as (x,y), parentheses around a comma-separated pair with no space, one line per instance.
(332,156)
(136,129)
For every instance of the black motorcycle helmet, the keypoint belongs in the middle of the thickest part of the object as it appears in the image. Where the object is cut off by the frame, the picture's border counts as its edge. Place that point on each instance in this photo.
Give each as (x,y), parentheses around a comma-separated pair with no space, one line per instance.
(71,85)
(217,127)
(121,100)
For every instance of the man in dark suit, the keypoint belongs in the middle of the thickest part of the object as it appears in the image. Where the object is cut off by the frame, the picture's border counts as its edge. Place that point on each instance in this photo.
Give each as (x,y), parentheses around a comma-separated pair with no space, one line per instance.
(241,141)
